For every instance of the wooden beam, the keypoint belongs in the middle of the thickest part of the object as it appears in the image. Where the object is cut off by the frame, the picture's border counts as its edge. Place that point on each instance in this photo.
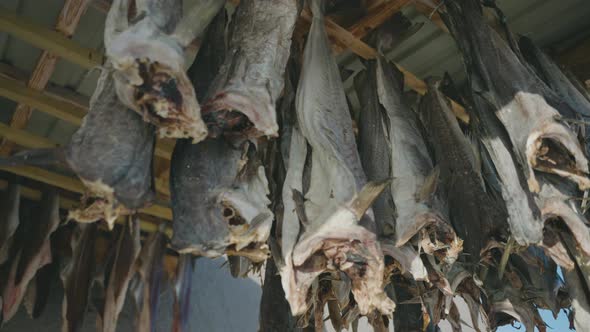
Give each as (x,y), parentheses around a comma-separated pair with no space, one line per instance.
(49,40)
(76,186)
(68,204)
(70,112)
(67,21)
(29,140)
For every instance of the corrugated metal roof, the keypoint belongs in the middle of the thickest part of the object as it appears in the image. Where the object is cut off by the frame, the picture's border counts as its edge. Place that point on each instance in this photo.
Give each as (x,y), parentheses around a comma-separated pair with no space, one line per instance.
(430,51)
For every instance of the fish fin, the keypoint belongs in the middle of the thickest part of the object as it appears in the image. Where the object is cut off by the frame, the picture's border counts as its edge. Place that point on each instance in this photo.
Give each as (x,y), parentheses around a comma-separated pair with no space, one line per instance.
(299,200)
(430,185)
(36,157)
(317,8)
(365,198)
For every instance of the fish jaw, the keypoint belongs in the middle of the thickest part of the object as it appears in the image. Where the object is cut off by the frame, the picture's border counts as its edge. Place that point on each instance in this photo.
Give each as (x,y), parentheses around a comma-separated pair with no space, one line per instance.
(255,106)
(352,249)
(103,205)
(150,79)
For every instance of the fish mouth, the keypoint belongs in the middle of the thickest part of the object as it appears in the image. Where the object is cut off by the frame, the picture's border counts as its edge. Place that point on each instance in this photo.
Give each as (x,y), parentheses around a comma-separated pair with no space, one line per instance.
(98,203)
(553,149)
(256,117)
(163,96)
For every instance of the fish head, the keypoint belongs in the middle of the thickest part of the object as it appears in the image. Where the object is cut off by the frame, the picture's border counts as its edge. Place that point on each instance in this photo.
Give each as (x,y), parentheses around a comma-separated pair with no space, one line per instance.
(150,78)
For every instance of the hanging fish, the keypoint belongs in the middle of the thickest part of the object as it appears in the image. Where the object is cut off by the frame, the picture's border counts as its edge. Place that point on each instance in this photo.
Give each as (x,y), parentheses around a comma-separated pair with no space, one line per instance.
(35,253)
(148,56)
(475,216)
(147,284)
(123,268)
(418,211)
(219,202)
(245,91)
(523,103)
(340,227)
(77,277)
(111,153)
(524,217)
(9,218)
(182,292)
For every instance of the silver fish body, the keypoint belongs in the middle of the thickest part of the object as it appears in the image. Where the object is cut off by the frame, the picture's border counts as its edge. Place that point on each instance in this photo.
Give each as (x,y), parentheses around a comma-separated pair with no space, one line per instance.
(251,78)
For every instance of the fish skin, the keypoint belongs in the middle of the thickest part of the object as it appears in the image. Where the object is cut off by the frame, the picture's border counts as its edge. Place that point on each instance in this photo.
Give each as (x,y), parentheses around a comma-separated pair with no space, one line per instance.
(336,238)
(112,154)
(578,284)
(148,57)
(9,218)
(150,279)
(229,181)
(524,216)
(475,216)
(251,78)
(182,293)
(552,75)
(275,314)
(123,268)
(34,253)
(77,277)
(522,102)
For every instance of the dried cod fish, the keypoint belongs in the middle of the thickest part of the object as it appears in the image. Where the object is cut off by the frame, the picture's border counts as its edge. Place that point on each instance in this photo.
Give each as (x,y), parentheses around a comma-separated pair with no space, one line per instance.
(111,153)
(275,314)
(247,87)
(551,74)
(148,56)
(578,284)
(417,209)
(339,235)
(475,216)
(147,284)
(540,141)
(35,253)
(9,218)
(122,270)
(219,199)
(77,277)
(182,292)
(524,216)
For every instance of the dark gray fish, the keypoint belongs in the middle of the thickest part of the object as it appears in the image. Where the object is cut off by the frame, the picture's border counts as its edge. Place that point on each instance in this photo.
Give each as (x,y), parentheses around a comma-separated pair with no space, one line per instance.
(182,292)
(578,284)
(9,218)
(523,103)
(475,216)
(34,254)
(244,93)
(219,202)
(111,153)
(123,269)
(77,277)
(553,76)
(524,216)
(148,56)
(338,199)
(148,283)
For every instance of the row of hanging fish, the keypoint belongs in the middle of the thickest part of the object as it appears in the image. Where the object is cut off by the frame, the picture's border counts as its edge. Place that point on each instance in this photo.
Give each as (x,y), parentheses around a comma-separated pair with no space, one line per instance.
(398,218)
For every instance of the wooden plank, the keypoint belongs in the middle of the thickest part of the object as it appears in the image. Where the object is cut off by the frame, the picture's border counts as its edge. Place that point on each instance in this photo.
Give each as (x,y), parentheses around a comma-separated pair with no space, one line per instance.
(49,40)
(68,204)
(75,185)
(23,138)
(70,112)
(20,93)
(67,21)
(376,17)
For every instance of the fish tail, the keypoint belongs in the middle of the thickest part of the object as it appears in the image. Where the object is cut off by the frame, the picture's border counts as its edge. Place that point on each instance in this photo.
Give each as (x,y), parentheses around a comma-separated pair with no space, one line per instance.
(36,157)
(317,8)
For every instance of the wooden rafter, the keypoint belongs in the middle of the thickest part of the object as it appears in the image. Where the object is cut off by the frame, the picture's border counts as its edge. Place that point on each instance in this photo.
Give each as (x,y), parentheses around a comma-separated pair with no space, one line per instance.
(49,40)
(26,139)
(74,185)
(67,21)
